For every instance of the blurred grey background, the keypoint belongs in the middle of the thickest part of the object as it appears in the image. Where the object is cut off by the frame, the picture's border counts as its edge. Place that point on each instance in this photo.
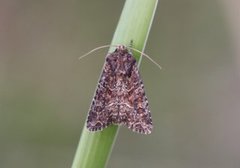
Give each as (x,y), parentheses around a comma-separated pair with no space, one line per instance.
(45,92)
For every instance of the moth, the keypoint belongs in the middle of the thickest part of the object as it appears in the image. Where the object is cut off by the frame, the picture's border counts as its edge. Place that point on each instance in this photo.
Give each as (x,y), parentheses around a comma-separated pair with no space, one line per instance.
(120,98)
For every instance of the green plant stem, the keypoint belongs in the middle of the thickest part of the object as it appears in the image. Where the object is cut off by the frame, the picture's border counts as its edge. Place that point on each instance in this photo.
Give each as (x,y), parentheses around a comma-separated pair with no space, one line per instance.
(134,25)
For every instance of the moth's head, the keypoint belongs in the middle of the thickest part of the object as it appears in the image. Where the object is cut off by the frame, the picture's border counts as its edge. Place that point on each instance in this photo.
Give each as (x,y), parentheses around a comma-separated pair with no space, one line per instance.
(121,49)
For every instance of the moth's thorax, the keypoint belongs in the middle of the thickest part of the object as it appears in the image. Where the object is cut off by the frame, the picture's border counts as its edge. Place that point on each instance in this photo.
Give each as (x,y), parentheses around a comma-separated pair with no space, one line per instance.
(121,61)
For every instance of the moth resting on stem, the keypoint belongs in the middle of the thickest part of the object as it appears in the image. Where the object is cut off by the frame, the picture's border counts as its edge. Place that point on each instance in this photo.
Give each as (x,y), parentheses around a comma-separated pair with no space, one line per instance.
(120,98)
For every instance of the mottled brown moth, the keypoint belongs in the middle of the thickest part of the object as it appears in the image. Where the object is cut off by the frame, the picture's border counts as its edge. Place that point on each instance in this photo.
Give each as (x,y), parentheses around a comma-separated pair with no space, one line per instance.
(120,98)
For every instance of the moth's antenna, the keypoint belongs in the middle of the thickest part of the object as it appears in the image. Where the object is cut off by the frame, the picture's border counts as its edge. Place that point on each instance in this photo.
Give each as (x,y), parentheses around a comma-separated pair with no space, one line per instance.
(95,49)
(109,45)
(146,56)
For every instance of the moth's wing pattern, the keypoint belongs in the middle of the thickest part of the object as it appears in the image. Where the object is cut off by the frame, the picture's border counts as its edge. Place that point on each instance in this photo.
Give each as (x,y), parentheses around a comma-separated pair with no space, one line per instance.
(139,120)
(99,116)
(120,97)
